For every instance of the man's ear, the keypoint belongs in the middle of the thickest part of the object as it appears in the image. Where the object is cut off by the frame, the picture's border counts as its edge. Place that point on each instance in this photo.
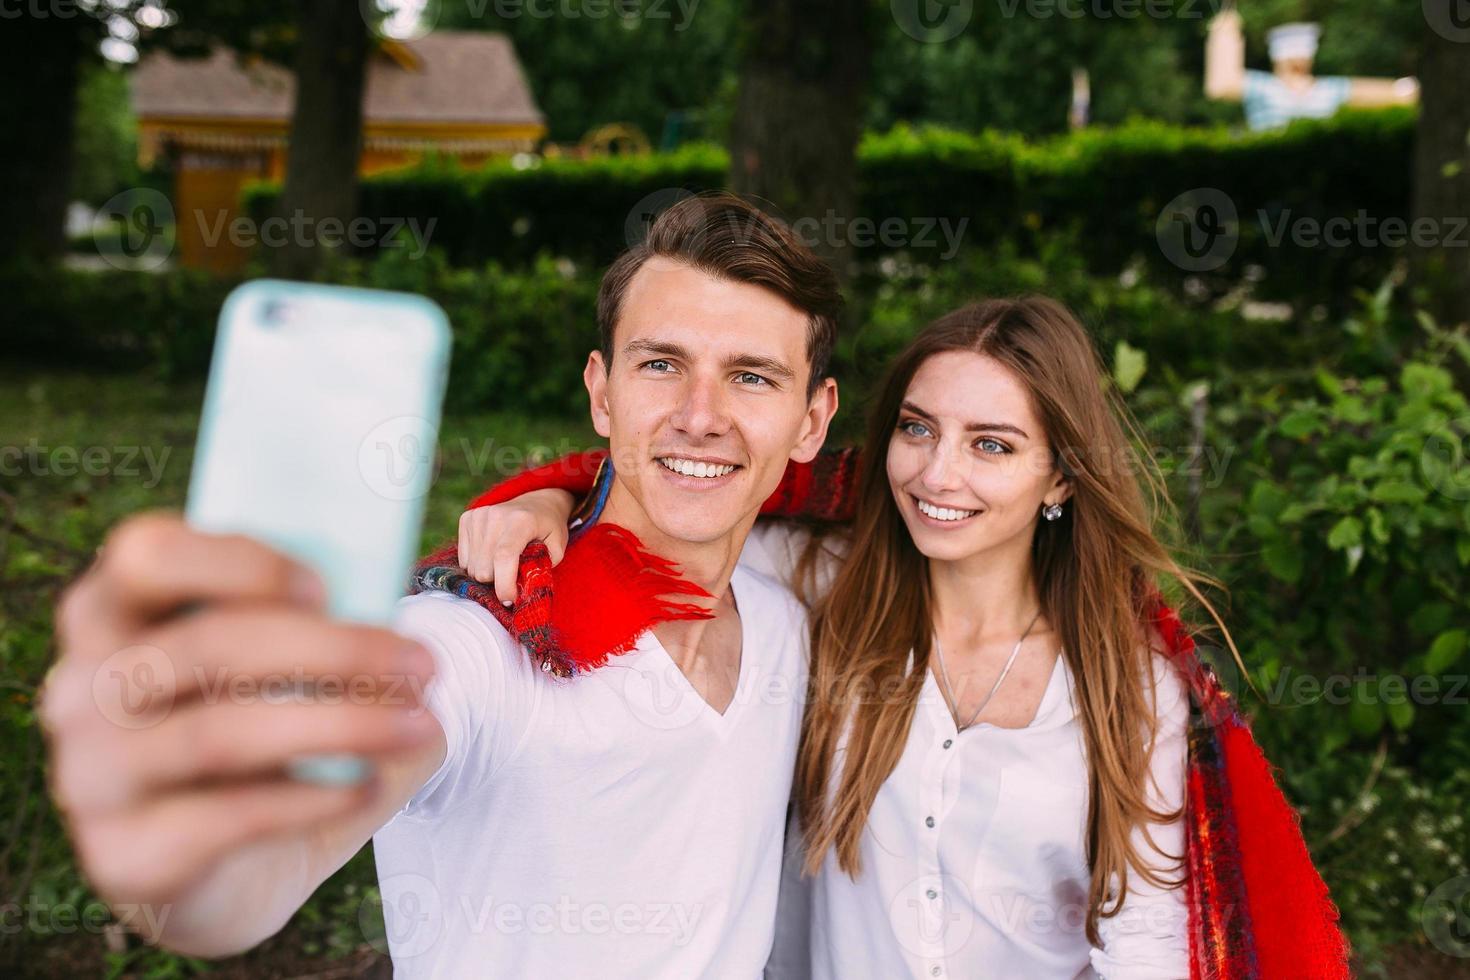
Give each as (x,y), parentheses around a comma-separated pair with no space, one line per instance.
(594,376)
(819,412)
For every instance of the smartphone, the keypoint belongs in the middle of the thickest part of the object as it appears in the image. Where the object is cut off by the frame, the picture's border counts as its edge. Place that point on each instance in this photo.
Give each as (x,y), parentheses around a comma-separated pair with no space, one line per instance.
(319,430)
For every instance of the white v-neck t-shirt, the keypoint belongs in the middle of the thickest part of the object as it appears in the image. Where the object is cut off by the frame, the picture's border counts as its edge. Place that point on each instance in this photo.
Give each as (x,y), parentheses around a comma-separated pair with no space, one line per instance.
(607,825)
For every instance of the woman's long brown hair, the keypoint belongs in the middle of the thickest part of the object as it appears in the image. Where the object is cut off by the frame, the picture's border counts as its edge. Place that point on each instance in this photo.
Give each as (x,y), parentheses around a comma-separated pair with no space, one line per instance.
(1096,570)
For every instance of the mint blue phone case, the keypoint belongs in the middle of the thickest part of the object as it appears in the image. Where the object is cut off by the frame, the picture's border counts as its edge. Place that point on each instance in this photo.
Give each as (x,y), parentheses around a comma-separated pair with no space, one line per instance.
(319,431)
(318,438)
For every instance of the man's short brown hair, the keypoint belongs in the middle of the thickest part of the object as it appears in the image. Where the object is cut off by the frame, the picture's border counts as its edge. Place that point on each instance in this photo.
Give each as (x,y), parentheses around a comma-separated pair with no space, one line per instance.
(726,237)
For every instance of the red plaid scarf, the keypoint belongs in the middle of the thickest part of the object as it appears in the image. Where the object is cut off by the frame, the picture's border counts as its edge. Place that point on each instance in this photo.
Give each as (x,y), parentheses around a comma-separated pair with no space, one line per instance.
(1257,906)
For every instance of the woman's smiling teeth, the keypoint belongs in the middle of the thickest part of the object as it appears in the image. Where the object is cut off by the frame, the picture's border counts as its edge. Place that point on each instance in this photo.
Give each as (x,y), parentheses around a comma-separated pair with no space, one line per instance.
(943,513)
(689,467)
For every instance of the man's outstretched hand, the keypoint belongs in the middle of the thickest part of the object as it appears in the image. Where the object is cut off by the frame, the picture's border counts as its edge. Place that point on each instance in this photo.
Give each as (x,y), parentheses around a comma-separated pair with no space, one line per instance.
(193,668)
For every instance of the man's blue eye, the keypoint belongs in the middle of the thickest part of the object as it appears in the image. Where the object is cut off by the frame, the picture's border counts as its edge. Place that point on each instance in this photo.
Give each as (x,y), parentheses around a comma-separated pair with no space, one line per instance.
(748,377)
(653,363)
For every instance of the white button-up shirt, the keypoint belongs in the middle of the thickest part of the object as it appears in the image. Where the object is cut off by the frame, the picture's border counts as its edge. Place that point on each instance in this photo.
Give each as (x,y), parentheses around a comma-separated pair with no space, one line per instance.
(974,858)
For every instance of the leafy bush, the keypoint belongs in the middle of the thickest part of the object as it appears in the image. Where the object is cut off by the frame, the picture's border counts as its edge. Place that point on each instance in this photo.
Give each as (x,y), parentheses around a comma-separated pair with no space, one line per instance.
(1335,506)
(1108,185)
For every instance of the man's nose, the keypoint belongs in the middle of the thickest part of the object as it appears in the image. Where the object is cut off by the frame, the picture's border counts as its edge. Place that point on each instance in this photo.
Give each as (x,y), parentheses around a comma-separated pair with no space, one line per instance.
(703,409)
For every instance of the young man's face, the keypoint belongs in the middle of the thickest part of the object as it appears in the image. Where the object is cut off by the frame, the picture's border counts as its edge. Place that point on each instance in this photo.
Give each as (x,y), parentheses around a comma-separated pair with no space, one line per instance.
(706,399)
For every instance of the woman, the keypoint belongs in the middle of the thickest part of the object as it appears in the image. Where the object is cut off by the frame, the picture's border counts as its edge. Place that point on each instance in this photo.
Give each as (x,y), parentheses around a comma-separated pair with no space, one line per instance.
(992,778)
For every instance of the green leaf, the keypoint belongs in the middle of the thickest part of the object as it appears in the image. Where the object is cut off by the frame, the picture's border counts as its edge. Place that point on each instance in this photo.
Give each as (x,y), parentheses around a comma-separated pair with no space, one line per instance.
(1377,526)
(1345,534)
(1401,714)
(1398,492)
(1299,424)
(1328,382)
(1283,559)
(1293,513)
(1129,365)
(1267,499)
(1444,651)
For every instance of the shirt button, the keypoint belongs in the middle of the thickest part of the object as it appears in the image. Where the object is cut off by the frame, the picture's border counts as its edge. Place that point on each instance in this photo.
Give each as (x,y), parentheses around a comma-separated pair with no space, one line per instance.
(932,894)
(928,821)
(948,742)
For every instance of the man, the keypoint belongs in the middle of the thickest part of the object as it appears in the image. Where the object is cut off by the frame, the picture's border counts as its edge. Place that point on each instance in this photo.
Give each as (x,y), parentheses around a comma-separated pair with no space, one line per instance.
(1290,91)
(626,821)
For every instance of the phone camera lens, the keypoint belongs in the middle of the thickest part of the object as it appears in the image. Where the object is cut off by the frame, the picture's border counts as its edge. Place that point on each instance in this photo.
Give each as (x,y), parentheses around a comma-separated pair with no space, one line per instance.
(273,314)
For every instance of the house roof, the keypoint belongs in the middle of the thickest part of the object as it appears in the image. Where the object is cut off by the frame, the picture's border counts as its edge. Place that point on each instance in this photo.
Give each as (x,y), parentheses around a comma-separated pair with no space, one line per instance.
(467,77)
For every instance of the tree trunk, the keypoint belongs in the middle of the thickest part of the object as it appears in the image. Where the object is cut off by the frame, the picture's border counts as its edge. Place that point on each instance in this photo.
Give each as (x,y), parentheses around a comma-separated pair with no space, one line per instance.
(798,115)
(40,62)
(326,134)
(1442,162)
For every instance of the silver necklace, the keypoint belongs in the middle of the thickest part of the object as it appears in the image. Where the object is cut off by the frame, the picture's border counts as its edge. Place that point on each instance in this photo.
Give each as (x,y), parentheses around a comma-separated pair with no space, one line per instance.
(949,688)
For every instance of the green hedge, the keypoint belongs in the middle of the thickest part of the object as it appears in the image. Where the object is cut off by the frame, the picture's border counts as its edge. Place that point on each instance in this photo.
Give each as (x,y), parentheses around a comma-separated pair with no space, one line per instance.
(522,332)
(1107,184)
(500,213)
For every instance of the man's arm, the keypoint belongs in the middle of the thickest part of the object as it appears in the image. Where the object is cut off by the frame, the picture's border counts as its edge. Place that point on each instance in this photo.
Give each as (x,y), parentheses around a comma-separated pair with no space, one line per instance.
(272,880)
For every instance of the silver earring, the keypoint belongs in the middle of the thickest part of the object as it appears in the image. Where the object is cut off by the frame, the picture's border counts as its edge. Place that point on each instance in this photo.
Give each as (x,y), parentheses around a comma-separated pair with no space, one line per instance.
(1051,511)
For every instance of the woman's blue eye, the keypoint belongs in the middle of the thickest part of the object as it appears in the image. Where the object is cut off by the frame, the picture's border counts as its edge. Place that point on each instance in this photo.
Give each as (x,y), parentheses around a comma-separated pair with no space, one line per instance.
(915,428)
(992,446)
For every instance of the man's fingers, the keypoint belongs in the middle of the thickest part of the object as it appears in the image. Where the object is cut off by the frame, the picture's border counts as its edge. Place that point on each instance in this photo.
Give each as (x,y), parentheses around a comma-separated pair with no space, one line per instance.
(157,851)
(258,736)
(223,651)
(155,563)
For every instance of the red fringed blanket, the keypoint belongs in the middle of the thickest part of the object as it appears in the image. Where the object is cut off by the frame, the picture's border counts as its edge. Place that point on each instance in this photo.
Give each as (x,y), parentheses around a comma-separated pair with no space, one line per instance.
(1257,907)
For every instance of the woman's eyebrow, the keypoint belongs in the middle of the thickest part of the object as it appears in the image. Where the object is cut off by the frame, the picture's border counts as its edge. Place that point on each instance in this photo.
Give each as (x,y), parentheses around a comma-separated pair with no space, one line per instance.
(970,427)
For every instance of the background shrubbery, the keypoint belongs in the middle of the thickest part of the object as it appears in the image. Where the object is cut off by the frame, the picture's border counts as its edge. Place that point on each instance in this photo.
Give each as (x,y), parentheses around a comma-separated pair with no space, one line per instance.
(1107,185)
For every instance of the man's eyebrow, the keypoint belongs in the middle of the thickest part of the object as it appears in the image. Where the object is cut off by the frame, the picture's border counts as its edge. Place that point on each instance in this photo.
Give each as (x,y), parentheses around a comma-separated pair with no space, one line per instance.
(660,348)
(759,363)
(972,426)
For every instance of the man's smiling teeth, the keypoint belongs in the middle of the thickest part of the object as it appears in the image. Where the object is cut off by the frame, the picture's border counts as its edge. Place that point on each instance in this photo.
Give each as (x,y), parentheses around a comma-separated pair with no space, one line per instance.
(944,513)
(688,467)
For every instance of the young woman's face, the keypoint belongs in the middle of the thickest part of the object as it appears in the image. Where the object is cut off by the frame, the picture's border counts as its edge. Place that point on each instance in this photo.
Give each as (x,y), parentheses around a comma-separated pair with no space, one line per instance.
(968,462)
